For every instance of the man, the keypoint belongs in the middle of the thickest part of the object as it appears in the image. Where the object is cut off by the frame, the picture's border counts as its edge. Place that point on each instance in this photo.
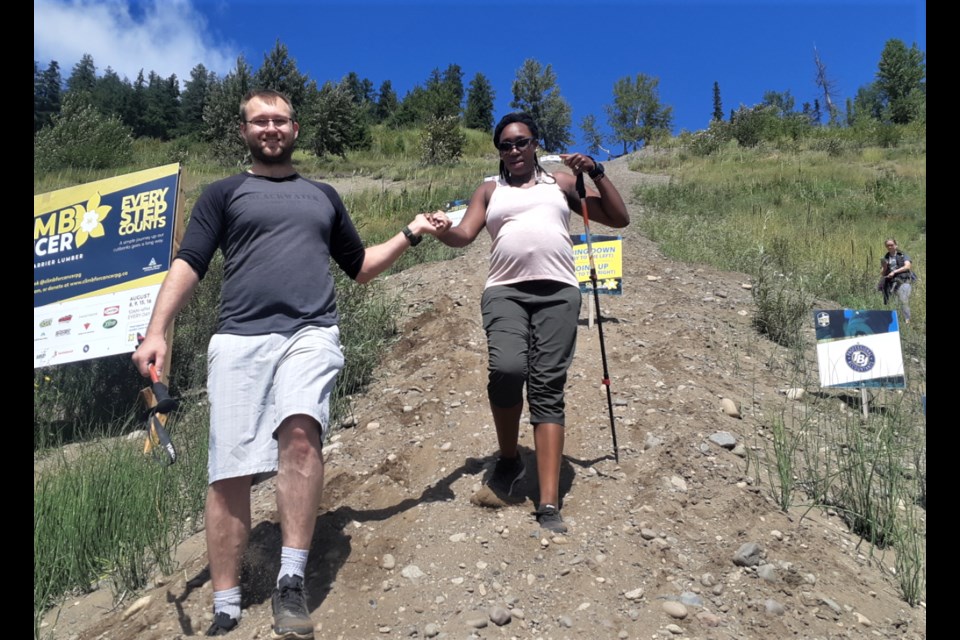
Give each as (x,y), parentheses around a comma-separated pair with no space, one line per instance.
(274,358)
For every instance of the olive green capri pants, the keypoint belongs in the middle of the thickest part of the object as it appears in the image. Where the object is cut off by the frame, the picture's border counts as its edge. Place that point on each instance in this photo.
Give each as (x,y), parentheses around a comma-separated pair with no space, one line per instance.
(531,338)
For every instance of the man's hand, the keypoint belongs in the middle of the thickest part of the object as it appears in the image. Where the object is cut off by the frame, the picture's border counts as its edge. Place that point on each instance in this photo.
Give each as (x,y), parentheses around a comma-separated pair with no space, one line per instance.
(152,349)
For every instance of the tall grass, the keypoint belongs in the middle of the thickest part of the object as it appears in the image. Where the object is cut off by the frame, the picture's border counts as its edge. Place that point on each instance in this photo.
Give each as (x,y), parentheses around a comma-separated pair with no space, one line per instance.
(807,219)
(104,513)
(816,215)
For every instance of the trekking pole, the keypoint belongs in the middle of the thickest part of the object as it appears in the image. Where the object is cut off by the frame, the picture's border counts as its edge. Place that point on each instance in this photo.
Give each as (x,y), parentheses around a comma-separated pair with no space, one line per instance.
(158,439)
(582,192)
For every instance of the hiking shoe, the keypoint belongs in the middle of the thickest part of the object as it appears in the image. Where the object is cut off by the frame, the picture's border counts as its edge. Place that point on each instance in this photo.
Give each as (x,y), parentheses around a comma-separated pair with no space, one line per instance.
(291,620)
(222,625)
(506,475)
(549,518)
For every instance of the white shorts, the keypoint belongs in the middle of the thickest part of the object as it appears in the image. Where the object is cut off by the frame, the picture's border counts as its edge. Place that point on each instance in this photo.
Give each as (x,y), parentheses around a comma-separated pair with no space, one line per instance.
(256,382)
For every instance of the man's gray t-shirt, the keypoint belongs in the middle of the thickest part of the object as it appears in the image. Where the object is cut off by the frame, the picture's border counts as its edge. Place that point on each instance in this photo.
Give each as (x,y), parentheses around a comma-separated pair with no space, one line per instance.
(277,238)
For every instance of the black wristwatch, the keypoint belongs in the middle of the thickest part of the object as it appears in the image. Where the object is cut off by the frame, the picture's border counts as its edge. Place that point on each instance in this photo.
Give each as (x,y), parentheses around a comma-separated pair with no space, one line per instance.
(597,171)
(412,237)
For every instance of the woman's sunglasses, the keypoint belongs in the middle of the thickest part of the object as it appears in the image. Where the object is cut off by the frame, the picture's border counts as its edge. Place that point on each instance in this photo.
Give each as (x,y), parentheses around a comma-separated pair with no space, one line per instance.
(521,144)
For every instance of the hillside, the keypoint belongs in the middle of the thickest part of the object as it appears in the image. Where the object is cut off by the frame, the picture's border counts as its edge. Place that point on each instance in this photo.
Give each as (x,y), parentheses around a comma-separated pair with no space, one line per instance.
(658,542)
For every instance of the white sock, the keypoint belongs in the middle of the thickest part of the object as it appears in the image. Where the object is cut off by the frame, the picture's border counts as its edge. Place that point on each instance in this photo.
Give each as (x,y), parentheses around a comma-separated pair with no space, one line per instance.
(228,602)
(293,562)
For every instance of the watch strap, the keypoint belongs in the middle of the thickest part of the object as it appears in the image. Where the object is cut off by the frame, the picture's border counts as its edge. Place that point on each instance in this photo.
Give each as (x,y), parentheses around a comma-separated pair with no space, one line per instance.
(412,238)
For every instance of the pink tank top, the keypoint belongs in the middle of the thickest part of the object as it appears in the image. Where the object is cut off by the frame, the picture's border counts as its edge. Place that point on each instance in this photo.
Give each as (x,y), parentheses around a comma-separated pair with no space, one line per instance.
(530,229)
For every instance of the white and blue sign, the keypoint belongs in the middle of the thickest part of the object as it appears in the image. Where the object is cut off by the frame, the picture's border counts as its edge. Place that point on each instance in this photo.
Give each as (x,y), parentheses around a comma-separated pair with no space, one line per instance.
(859,348)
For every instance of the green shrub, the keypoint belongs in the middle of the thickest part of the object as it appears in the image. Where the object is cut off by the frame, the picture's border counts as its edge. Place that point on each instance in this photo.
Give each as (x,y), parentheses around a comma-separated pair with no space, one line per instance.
(82,137)
(442,141)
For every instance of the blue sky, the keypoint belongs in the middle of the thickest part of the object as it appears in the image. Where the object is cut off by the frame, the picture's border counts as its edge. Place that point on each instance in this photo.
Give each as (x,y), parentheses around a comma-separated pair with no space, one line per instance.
(747,46)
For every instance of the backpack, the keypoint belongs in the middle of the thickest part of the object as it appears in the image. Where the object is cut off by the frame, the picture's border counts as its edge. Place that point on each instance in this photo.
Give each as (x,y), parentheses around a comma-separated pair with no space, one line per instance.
(909,276)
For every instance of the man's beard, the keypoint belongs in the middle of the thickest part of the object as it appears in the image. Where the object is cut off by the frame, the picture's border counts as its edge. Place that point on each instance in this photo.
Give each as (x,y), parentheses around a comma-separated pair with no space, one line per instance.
(282,158)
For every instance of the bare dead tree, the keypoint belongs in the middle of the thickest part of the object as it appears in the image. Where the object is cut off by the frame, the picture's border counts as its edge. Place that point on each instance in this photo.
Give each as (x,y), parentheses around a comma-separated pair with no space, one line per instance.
(827,86)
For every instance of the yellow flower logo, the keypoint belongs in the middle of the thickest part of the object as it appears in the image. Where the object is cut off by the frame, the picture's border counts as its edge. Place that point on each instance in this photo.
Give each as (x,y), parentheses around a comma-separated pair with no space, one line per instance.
(610,284)
(91,218)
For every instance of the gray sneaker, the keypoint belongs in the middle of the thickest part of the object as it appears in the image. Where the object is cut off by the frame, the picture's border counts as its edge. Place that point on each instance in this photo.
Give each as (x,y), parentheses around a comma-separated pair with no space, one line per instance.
(549,518)
(222,625)
(291,620)
(506,474)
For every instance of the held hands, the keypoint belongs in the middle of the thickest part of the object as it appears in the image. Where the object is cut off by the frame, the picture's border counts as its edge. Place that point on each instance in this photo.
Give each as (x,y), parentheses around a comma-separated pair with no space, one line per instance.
(578,162)
(436,223)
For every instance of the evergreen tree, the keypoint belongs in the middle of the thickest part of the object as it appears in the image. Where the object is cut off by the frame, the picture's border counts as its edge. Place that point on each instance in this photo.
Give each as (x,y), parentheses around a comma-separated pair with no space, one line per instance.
(193,98)
(47,92)
(452,90)
(362,94)
(279,72)
(221,116)
(334,122)
(535,91)
(479,111)
(162,106)
(111,94)
(717,106)
(901,76)
(386,102)
(412,110)
(83,78)
(136,106)
(636,115)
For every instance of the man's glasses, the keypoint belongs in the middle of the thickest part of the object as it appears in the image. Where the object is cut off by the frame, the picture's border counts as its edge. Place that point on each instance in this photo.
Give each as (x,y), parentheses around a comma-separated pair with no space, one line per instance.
(891,246)
(521,144)
(263,123)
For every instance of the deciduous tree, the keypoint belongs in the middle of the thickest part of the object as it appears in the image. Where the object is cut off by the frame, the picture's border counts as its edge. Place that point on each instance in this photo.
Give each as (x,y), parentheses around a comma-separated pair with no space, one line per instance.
(535,91)
(636,114)
(592,138)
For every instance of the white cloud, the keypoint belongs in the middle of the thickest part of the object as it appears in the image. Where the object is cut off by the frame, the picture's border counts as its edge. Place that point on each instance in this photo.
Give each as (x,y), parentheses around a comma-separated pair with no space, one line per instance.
(165,36)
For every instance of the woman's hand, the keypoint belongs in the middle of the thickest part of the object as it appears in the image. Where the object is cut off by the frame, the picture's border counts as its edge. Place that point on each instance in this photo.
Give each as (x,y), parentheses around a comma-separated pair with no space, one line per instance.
(578,162)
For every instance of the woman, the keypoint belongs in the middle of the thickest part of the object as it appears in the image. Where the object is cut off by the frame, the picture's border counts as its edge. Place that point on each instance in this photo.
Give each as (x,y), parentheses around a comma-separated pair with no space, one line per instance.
(897,277)
(531,299)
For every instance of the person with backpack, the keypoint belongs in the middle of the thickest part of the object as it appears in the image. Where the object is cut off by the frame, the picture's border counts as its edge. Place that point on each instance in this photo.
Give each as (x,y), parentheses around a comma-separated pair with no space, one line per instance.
(896,277)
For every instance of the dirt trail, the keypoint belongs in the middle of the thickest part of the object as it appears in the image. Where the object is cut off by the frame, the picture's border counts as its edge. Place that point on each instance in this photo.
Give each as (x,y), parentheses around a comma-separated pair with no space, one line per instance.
(400,552)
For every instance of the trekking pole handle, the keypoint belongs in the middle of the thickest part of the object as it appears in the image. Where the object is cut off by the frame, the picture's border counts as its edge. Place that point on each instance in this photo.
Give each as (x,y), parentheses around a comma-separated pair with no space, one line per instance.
(165,403)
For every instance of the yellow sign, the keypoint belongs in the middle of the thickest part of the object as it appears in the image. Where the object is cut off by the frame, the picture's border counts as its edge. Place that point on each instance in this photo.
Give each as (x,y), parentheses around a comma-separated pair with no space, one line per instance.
(607,260)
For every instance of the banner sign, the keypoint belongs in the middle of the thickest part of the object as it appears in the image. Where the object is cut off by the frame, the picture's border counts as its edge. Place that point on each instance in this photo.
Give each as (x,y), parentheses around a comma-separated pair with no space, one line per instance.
(607,259)
(100,253)
(857,348)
